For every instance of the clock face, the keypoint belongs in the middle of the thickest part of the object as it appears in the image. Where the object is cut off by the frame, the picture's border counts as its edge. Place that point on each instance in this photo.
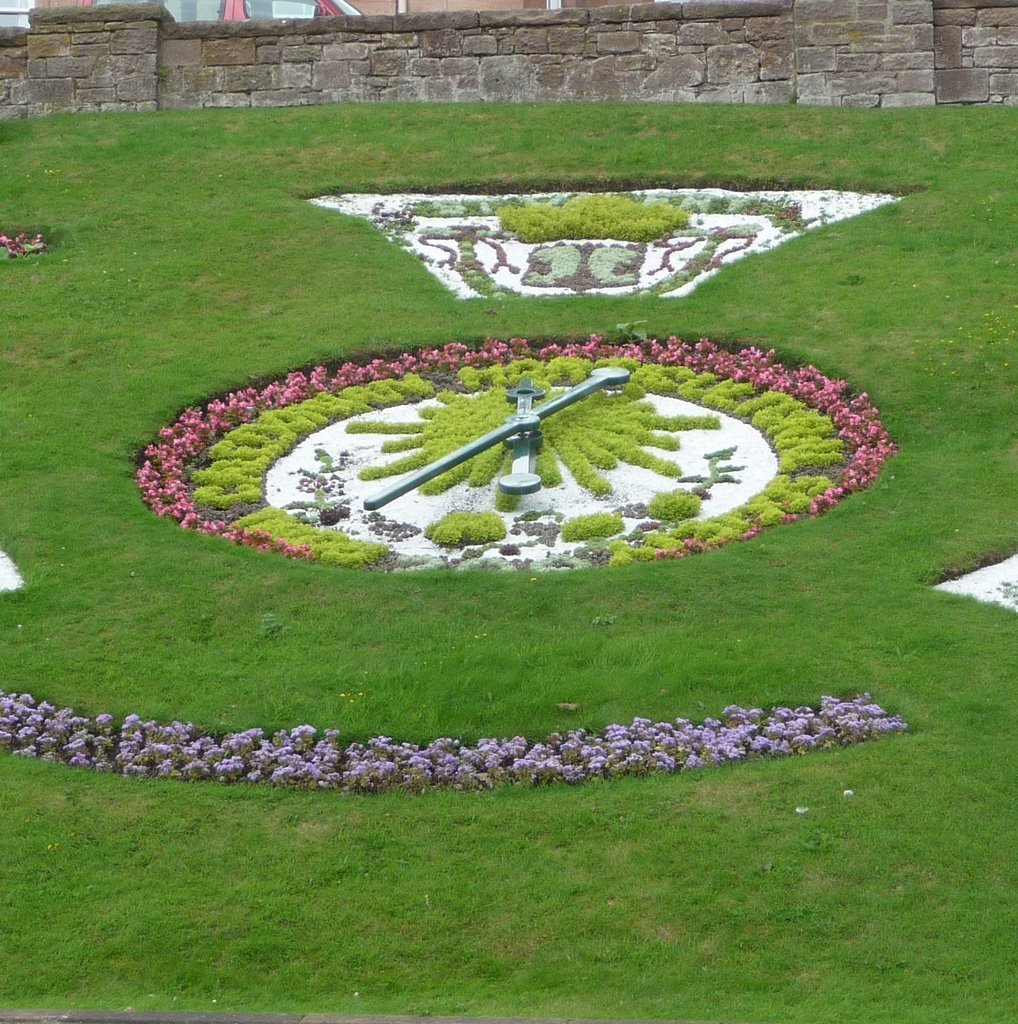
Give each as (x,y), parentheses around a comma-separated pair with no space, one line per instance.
(647,448)
(699,447)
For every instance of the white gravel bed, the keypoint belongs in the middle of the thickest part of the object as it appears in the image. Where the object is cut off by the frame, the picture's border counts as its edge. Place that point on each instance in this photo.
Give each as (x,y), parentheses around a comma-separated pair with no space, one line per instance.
(10,578)
(995,584)
(506,261)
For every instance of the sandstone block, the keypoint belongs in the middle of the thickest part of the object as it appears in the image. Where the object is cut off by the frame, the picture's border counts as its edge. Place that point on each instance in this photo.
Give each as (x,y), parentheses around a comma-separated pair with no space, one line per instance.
(293,76)
(816,58)
(69,67)
(674,74)
(1005,83)
(346,51)
(908,99)
(531,40)
(705,33)
(477,46)
(142,39)
(947,46)
(444,43)
(566,39)
(861,100)
(997,16)
(732,65)
(979,37)
(331,76)
(247,79)
(51,92)
(915,81)
(954,17)
(911,12)
(180,52)
(49,45)
(922,60)
(857,61)
(769,92)
(1003,58)
(136,88)
(617,42)
(301,53)
(277,98)
(504,78)
(228,51)
(388,62)
(777,63)
(963,85)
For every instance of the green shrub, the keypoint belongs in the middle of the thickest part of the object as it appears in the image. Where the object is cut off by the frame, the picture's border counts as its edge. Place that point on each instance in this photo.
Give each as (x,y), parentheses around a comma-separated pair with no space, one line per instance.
(673,506)
(598,216)
(458,529)
(599,524)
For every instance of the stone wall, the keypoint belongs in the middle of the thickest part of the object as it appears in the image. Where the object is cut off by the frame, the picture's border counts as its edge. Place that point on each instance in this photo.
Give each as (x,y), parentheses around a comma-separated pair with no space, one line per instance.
(821,52)
(976,51)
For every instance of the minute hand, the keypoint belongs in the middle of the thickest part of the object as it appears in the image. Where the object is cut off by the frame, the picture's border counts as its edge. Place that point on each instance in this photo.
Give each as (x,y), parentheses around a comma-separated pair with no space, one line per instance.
(516,424)
(598,379)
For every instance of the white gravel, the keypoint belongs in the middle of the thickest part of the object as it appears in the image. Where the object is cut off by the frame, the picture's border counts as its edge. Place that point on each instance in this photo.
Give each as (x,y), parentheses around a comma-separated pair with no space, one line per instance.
(995,584)
(10,578)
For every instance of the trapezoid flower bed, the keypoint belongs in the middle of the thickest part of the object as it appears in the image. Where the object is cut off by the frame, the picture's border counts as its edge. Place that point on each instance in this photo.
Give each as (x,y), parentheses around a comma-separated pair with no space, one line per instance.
(300,758)
(700,448)
(659,241)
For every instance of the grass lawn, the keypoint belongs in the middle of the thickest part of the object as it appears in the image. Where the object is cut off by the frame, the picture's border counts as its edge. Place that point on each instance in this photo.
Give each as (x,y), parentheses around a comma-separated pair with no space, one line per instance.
(185,263)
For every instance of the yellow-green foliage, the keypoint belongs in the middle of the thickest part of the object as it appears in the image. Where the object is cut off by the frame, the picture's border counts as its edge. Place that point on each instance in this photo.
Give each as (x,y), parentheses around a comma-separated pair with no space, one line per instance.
(726,395)
(674,506)
(598,216)
(660,380)
(623,554)
(241,458)
(327,546)
(458,529)
(600,524)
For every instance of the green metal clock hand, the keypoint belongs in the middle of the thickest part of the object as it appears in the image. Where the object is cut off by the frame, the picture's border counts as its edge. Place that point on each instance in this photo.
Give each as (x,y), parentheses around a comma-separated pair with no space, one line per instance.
(521,427)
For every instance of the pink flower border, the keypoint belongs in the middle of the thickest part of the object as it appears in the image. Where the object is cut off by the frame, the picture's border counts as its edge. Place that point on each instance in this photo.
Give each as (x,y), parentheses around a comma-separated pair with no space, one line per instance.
(162,476)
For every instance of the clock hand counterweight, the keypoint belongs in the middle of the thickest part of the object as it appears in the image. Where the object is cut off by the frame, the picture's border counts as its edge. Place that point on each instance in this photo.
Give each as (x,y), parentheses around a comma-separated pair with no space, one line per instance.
(520,429)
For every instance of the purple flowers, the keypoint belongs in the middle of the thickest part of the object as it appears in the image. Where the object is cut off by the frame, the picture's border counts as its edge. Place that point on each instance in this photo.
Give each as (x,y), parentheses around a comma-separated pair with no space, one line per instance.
(301,758)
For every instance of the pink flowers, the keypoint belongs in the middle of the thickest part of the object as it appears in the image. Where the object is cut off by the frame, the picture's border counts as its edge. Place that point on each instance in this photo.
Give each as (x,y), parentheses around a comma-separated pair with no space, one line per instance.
(21,245)
(163,474)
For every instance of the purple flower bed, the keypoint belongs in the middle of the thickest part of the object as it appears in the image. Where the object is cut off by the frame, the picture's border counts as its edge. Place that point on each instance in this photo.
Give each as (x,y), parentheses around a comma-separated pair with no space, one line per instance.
(300,758)
(164,479)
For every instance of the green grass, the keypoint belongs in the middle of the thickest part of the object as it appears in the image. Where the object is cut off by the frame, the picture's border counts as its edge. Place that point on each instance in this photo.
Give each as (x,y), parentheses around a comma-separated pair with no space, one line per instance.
(185,263)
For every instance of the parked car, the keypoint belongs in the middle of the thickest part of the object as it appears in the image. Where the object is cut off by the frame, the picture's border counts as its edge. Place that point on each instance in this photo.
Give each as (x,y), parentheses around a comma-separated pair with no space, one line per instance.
(244,10)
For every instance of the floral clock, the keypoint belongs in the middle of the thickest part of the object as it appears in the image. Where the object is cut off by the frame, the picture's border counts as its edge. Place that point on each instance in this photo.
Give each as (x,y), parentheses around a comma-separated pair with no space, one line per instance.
(699,447)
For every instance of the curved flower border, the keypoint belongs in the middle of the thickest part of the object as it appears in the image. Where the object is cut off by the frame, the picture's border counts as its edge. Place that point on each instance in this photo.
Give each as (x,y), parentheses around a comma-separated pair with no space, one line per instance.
(299,759)
(163,478)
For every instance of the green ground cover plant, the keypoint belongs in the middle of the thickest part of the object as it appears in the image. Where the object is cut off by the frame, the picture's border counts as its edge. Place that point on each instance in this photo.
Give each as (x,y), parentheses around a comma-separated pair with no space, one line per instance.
(619,217)
(183,263)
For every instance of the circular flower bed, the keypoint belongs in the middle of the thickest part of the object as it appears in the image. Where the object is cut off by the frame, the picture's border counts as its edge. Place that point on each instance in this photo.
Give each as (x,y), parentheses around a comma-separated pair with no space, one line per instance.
(206,471)
(301,759)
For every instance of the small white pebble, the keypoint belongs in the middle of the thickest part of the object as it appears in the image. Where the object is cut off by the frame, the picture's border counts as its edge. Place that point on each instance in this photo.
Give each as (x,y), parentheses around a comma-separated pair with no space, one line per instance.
(802,810)
(848,794)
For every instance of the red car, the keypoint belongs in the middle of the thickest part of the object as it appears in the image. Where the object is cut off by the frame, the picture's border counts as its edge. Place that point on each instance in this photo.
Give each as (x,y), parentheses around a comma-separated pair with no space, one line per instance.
(244,10)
